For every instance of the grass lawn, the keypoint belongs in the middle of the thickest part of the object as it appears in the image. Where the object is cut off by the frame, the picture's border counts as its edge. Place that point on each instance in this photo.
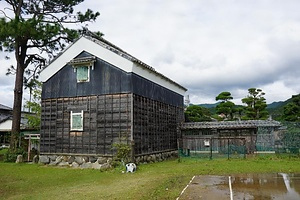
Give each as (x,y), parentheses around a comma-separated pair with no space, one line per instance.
(163,180)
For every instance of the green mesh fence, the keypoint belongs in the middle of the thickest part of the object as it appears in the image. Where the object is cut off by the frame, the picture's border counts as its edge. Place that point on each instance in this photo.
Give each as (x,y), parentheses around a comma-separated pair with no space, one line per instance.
(288,141)
(213,147)
(265,140)
(284,140)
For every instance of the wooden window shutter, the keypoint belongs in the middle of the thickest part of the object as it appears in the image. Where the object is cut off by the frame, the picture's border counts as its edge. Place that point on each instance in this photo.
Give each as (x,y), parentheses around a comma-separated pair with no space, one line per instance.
(82,73)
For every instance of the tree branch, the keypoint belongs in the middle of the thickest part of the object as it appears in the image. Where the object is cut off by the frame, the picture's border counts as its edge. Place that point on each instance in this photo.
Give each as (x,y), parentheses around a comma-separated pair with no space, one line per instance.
(5,14)
(18,9)
(35,57)
(48,42)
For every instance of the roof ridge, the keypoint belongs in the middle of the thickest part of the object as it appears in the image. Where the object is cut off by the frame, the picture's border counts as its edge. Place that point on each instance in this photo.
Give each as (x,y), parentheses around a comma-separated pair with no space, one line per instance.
(110,46)
(5,107)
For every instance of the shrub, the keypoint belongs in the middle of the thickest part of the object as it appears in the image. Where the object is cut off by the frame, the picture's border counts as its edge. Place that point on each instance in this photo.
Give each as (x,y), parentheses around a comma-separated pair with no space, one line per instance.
(122,152)
(12,156)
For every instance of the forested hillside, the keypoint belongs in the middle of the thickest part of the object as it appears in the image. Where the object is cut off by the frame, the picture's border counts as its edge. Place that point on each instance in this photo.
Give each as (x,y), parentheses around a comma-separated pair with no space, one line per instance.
(275,109)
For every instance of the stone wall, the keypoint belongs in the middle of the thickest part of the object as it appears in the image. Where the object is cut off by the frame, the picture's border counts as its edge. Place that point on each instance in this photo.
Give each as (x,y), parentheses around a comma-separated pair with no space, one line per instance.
(158,157)
(84,162)
(93,162)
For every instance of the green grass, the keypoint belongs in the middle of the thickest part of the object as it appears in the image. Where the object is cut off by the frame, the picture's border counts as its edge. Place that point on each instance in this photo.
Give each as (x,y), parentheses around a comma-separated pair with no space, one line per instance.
(163,180)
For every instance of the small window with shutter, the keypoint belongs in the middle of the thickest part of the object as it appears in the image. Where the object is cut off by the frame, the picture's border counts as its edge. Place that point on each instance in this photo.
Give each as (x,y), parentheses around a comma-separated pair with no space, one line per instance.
(82,67)
(83,73)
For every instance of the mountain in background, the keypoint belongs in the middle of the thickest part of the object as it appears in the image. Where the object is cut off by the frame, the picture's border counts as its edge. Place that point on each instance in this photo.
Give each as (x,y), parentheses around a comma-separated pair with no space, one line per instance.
(275,109)
(276,104)
(209,105)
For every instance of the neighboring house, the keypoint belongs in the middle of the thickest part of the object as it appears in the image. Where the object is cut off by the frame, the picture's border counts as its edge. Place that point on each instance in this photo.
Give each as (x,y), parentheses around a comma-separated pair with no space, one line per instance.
(6,123)
(250,136)
(95,94)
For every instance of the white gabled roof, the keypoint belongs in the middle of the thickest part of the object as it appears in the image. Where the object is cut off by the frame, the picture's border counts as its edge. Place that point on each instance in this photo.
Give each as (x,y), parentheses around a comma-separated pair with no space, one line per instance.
(113,55)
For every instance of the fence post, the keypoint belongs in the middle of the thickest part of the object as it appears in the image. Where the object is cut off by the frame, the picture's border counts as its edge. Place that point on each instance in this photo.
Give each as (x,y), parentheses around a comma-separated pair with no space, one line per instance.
(228,148)
(210,140)
(245,148)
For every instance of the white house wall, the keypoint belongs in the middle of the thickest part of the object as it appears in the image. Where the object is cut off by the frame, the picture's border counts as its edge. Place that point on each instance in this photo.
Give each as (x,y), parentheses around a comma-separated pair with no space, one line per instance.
(6,125)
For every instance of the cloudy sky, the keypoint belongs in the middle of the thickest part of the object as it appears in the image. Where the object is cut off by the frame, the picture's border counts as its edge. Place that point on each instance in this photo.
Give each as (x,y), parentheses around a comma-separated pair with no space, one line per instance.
(208,46)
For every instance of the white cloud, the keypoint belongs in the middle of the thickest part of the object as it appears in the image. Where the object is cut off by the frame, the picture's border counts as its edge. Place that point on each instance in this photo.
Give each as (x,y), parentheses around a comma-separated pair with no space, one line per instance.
(210,46)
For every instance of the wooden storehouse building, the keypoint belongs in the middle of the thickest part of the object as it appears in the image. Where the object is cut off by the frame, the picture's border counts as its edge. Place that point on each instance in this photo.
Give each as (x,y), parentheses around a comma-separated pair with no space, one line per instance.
(95,94)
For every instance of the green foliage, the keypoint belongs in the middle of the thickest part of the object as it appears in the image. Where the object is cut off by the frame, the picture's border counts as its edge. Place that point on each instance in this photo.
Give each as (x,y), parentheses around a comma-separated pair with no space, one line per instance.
(292,110)
(224,96)
(196,113)
(122,151)
(3,152)
(256,104)
(11,156)
(36,31)
(217,117)
(34,106)
(41,25)
(226,107)
(239,110)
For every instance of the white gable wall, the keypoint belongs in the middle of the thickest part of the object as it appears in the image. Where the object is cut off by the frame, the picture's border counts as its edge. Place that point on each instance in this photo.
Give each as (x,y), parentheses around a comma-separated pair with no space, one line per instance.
(84,44)
(6,125)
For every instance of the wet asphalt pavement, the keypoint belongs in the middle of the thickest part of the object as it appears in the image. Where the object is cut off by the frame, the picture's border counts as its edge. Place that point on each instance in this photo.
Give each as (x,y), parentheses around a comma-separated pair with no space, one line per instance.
(244,186)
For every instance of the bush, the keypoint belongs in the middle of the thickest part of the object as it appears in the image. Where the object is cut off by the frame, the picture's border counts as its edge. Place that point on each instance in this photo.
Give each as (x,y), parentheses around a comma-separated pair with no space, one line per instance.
(123,151)
(12,156)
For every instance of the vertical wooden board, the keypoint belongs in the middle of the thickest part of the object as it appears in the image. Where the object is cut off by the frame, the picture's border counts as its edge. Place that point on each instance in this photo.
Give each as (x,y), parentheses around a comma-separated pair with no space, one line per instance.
(156,125)
(110,113)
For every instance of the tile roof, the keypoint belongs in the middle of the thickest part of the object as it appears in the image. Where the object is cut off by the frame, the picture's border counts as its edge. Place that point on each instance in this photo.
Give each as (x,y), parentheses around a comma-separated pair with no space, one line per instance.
(3,107)
(3,118)
(230,124)
(108,45)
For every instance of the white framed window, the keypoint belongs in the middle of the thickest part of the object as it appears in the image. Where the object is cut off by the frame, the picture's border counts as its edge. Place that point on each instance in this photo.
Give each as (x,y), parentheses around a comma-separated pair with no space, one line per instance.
(76,121)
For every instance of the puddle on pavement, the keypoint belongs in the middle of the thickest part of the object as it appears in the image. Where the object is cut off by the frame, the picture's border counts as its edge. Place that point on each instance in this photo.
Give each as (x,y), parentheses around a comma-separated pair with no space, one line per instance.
(266,186)
(245,186)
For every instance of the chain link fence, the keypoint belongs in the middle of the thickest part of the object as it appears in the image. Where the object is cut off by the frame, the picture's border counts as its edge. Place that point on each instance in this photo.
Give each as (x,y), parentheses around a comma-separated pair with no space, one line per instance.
(213,147)
(284,140)
(288,139)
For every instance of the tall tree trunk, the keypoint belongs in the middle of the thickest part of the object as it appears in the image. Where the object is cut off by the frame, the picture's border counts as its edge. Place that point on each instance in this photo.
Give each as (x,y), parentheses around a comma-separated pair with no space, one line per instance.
(18,95)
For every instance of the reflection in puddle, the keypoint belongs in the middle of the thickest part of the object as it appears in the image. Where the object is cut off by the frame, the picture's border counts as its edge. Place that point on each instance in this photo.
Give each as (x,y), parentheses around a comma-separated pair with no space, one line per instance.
(266,186)
(291,191)
(279,186)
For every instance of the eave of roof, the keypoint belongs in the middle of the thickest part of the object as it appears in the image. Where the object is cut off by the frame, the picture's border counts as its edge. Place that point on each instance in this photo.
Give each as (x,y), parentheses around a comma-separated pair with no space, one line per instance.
(106,44)
(3,107)
(230,124)
(4,118)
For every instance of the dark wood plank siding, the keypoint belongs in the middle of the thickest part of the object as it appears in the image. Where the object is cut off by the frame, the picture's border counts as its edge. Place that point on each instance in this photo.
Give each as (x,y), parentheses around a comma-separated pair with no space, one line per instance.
(155,125)
(107,101)
(151,90)
(106,79)
(106,121)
